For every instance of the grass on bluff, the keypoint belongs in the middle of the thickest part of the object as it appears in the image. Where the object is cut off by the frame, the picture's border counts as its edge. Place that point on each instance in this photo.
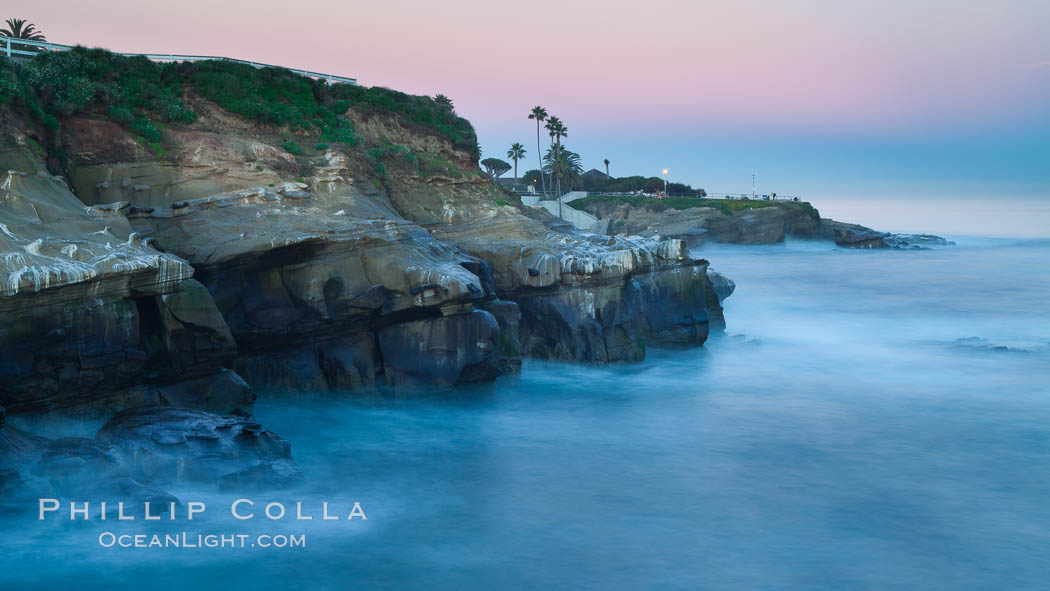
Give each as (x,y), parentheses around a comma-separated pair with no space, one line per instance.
(726,206)
(145,96)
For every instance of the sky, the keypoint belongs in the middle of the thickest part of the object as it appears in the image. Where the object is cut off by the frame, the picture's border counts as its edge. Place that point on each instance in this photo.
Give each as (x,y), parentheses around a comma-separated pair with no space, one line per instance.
(818,98)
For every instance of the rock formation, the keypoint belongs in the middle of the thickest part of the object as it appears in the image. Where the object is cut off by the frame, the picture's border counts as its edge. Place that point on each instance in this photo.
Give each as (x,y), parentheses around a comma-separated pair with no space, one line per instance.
(760,222)
(167,276)
(167,445)
(141,275)
(140,451)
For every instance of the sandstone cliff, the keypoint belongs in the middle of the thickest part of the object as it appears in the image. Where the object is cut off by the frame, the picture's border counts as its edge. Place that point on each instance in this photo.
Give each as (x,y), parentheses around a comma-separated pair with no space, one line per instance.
(350,243)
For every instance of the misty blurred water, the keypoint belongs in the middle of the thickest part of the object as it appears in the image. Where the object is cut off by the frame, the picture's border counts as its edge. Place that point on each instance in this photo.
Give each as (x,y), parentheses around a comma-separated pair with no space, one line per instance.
(846,442)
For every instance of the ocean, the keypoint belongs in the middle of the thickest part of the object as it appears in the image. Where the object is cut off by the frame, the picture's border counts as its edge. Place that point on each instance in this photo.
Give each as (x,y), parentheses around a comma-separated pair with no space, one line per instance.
(871,420)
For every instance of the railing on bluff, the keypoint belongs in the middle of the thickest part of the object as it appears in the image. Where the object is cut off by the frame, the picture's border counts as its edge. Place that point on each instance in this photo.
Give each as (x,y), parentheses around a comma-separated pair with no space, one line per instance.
(32,48)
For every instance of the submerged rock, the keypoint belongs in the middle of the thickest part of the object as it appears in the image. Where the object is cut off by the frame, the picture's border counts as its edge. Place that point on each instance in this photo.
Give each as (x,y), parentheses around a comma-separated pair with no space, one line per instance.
(33,467)
(857,236)
(982,344)
(852,235)
(168,445)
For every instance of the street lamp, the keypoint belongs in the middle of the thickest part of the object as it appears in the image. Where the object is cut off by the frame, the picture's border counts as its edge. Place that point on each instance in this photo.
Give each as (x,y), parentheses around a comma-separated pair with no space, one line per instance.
(665,182)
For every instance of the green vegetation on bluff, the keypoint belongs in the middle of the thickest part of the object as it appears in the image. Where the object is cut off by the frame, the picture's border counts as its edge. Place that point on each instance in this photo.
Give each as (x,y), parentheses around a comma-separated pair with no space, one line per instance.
(726,206)
(145,96)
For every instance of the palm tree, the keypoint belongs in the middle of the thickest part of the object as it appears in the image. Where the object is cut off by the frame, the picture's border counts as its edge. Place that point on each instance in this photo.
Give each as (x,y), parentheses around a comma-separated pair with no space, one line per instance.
(20,29)
(606,161)
(539,114)
(564,164)
(515,153)
(557,130)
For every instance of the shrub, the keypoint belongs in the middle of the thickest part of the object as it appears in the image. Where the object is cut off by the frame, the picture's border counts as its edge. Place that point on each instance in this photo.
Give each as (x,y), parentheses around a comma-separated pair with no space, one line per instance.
(139,94)
(292,148)
(145,128)
(121,114)
(423,111)
(321,146)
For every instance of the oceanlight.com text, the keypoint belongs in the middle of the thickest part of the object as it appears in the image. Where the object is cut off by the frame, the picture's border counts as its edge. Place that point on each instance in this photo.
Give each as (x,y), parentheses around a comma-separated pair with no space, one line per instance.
(186,540)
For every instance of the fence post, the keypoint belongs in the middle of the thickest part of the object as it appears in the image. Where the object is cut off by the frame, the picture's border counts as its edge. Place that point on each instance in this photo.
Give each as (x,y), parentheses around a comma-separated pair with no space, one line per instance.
(8,39)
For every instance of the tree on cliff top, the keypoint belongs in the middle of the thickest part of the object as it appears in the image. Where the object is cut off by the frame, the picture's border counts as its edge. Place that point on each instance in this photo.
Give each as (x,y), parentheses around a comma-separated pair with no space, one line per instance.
(557,130)
(532,177)
(495,167)
(565,165)
(539,114)
(515,153)
(19,29)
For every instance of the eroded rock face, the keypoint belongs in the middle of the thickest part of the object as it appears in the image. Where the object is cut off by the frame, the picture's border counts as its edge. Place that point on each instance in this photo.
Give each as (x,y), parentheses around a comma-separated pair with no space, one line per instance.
(443,350)
(224,392)
(336,281)
(723,286)
(87,306)
(599,299)
(581,297)
(508,316)
(167,445)
(304,273)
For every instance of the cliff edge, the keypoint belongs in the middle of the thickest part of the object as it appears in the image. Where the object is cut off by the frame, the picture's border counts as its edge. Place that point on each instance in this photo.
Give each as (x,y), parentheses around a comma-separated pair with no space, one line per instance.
(179,234)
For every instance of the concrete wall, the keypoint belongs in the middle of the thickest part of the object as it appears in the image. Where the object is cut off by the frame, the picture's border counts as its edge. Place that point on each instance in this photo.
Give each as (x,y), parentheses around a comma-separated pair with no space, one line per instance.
(581,219)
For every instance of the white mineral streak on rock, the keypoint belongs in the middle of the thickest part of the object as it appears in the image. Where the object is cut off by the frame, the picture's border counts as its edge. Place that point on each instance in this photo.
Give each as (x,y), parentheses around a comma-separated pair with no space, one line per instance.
(621,260)
(451,279)
(34,246)
(448,213)
(9,180)
(37,255)
(671,249)
(579,264)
